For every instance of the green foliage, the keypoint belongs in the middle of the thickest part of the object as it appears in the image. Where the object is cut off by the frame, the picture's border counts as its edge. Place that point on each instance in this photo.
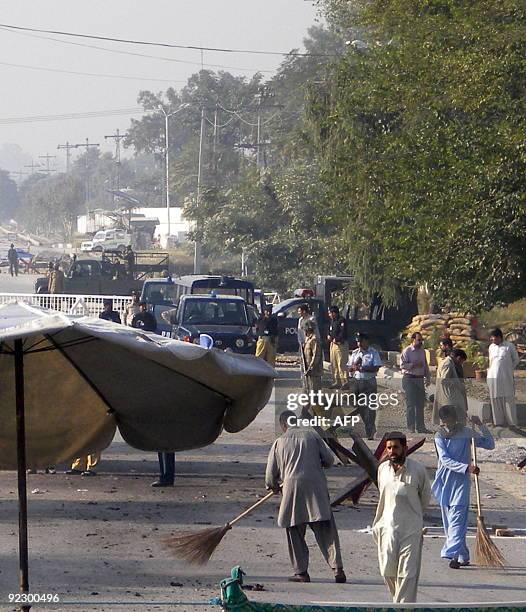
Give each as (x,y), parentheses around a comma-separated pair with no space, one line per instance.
(422,133)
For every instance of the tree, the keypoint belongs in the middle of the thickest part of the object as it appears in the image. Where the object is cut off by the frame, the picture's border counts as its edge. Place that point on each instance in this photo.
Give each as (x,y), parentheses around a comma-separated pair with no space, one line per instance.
(422,139)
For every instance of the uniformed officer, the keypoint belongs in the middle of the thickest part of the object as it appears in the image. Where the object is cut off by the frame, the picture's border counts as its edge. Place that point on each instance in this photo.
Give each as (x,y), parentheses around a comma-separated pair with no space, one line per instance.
(267,332)
(338,347)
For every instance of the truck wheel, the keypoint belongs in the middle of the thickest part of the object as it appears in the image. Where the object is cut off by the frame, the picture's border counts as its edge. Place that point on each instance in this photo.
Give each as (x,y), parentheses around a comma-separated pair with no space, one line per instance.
(97,249)
(121,247)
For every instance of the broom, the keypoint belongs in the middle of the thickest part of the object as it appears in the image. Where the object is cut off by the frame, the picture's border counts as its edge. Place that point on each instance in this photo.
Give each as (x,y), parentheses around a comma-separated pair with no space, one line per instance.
(486,552)
(198,547)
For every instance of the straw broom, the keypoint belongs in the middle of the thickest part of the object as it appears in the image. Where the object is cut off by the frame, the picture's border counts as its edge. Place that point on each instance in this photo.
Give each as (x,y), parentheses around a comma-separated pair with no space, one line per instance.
(486,552)
(199,546)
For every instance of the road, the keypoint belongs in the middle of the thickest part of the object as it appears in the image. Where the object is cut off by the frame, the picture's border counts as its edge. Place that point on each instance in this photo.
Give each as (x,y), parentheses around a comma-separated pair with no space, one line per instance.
(101,539)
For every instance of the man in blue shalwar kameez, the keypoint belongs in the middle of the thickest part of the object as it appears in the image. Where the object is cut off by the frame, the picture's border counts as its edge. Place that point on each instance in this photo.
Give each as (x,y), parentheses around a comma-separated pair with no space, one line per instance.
(452,483)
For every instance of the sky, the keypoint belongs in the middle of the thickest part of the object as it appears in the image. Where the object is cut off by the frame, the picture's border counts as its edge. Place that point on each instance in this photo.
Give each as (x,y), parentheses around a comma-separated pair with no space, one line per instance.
(268,25)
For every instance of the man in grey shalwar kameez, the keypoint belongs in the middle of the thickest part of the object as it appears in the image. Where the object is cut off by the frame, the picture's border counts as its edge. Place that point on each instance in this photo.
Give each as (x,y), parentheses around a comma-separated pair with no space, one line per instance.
(295,463)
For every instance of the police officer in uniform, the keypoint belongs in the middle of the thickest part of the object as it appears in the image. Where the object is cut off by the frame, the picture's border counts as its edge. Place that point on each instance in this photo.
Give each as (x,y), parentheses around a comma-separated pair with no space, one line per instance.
(338,347)
(267,333)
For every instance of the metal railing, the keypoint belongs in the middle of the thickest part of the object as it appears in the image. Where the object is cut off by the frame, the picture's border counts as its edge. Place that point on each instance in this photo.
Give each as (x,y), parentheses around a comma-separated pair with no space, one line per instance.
(87,305)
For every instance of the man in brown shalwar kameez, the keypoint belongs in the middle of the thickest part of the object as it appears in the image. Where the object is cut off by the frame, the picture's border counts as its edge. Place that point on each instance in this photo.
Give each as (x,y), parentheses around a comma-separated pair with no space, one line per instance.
(295,464)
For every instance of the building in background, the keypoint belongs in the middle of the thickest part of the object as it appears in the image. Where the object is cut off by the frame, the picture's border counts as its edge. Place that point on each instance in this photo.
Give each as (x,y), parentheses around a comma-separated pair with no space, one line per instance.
(139,219)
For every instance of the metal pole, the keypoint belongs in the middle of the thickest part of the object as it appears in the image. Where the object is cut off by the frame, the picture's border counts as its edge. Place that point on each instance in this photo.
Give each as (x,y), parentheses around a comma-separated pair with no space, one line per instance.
(197,246)
(167,168)
(21,461)
(258,149)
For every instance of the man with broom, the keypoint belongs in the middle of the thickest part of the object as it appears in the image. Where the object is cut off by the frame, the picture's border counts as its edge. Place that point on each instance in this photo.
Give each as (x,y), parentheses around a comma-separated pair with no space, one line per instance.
(452,483)
(295,464)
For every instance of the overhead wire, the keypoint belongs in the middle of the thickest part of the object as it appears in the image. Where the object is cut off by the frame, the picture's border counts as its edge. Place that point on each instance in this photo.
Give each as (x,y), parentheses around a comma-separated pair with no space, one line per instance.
(91,74)
(158,44)
(65,116)
(218,126)
(121,52)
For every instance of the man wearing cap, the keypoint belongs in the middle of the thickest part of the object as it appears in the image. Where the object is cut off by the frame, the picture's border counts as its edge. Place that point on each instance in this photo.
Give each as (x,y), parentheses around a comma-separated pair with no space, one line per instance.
(338,347)
(267,333)
(405,492)
(144,320)
(364,362)
(313,359)
(305,318)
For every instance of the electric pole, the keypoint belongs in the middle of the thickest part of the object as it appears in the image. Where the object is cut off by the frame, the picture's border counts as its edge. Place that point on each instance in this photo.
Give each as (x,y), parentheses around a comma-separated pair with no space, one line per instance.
(33,166)
(117,137)
(197,246)
(264,94)
(68,148)
(47,157)
(87,146)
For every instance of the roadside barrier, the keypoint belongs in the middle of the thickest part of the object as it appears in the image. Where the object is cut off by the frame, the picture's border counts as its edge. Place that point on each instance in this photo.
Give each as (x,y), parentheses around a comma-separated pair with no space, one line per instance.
(87,305)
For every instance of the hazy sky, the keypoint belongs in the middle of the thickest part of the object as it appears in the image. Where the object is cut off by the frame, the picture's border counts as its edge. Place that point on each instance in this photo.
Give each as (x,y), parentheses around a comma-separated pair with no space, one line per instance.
(270,25)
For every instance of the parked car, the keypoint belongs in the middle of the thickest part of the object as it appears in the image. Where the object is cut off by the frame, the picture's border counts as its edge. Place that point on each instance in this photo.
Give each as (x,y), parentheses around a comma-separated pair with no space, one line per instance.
(110,240)
(223,317)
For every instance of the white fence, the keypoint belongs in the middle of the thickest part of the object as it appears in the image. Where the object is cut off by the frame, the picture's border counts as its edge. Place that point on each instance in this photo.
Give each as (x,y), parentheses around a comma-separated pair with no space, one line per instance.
(88,305)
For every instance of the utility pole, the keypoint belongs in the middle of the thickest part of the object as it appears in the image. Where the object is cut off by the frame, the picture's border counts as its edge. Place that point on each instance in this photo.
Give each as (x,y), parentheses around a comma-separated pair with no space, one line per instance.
(117,137)
(87,146)
(33,166)
(215,139)
(47,157)
(68,148)
(167,158)
(264,93)
(197,245)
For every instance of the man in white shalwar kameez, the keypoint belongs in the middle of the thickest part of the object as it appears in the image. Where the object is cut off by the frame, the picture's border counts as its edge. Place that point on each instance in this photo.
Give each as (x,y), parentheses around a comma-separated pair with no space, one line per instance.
(503,359)
(405,491)
(295,464)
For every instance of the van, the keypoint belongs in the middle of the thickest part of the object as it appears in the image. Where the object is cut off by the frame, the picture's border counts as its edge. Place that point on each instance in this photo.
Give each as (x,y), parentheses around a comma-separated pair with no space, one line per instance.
(111,240)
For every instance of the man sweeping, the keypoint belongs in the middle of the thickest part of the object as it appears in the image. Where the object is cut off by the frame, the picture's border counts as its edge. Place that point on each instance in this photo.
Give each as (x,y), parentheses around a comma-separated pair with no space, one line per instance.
(295,464)
(397,528)
(452,483)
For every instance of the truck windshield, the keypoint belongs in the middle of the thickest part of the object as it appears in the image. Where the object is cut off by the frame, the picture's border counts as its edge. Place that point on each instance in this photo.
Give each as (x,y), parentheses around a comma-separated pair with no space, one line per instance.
(160,293)
(215,312)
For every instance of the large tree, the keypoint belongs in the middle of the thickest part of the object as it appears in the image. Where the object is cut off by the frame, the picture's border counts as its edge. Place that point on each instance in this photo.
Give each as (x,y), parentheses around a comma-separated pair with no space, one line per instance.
(422,127)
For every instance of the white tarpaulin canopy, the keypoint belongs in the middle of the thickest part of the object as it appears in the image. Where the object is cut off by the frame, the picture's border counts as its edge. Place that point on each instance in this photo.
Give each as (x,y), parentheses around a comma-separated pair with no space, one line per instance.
(83,377)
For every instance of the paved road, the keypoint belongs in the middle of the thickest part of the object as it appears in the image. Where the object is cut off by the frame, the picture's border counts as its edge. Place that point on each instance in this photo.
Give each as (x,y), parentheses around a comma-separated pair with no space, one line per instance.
(102,539)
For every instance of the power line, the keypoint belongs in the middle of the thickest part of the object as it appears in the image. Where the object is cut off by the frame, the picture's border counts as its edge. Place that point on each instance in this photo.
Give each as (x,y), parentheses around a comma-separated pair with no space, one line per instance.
(92,74)
(65,116)
(158,44)
(121,52)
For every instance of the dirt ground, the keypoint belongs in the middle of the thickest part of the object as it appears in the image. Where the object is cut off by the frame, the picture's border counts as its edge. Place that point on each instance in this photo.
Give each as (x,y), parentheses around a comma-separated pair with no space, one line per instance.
(98,542)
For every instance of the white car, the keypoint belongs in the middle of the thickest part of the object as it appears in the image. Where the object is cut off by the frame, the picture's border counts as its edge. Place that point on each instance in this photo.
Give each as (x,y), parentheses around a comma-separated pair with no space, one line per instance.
(111,240)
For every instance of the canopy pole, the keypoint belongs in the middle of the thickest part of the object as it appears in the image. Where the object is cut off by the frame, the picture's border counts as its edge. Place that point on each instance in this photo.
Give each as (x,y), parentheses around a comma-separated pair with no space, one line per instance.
(21,464)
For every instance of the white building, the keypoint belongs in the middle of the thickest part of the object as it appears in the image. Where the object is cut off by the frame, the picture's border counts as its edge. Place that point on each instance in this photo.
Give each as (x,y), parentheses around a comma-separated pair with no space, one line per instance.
(104,219)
